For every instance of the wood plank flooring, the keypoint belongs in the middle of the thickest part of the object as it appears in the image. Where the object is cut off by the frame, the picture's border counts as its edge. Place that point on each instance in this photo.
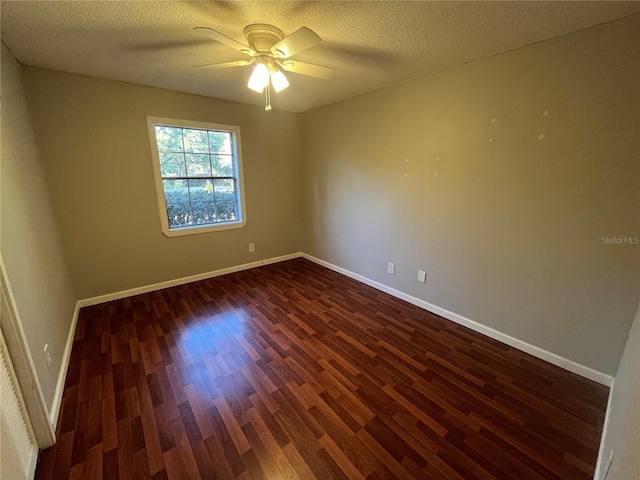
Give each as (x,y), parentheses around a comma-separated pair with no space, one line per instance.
(294,371)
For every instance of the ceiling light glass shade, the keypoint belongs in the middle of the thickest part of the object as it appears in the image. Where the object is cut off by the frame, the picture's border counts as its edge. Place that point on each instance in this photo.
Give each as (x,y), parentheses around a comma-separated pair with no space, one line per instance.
(279,81)
(259,78)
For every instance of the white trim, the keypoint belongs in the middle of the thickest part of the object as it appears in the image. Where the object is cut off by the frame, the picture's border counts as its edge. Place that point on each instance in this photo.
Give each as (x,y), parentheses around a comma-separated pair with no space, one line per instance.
(538,352)
(64,366)
(602,464)
(35,401)
(181,281)
(33,466)
(25,419)
(234,130)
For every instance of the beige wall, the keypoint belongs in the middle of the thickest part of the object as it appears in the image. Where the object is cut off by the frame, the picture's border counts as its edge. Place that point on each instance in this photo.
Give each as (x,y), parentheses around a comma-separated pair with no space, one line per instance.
(464,175)
(95,151)
(29,240)
(622,434)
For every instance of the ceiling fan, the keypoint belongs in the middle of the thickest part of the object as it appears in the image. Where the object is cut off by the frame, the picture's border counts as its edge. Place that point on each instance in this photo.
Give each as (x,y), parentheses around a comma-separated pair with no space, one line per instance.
(271,52)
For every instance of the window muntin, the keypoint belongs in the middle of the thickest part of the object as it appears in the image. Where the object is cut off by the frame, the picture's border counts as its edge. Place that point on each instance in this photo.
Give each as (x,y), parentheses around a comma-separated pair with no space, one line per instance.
(198,175)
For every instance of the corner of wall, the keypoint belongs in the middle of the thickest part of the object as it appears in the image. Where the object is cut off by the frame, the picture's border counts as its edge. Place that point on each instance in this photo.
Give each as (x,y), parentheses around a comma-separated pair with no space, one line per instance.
(618,455)
(54,412)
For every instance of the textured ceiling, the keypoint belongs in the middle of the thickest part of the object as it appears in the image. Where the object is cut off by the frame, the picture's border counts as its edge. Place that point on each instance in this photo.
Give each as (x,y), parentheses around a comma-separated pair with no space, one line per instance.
(369,44)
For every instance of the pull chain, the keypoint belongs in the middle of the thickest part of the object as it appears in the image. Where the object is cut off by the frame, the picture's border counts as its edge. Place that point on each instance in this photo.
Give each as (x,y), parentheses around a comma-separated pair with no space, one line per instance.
(267,96)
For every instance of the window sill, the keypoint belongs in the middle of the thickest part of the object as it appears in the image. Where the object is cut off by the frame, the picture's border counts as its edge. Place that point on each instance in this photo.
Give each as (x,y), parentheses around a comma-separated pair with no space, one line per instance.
(196,229)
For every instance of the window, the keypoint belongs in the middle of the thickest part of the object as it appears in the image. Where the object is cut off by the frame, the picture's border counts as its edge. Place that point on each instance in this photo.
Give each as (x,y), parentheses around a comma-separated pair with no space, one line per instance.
(198,173)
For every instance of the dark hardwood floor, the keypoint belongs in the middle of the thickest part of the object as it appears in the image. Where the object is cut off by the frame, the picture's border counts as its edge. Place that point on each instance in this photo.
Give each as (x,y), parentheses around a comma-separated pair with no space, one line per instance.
(294,371)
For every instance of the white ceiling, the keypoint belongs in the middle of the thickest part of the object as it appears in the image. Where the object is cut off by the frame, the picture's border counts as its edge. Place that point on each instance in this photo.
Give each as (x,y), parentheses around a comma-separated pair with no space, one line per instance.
(370,44)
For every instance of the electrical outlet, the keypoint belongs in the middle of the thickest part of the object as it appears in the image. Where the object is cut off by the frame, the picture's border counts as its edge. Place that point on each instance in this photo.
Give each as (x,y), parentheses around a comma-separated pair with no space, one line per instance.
(422,276)
(47,356)
(252,247)
(391,268)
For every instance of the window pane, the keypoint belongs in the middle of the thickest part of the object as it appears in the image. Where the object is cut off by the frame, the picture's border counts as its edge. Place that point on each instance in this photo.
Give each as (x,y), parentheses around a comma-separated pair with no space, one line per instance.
(204,212)
(195,141)
(200,175)
(224,190)
(201,191)
(179,214)
(198,165)
(172,165)
(222,165)
(225,211)
(220,142)
(169,139)
(175,191)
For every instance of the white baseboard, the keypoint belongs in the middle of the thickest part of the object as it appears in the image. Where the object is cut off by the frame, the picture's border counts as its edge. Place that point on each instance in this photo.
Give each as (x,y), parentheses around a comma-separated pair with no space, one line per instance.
(181,281)
(550,357)
(64,366)
(538,352)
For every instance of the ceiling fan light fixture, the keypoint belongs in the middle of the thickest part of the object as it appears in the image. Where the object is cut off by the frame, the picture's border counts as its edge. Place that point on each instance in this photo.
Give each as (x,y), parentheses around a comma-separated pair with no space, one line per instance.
(267,45)
(259,78)
(278,80)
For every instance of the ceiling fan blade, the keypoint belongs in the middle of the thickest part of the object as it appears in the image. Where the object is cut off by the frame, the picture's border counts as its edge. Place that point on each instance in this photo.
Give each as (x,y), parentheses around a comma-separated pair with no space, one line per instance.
(230,42)
(304,68)
(237,63)
(299,40)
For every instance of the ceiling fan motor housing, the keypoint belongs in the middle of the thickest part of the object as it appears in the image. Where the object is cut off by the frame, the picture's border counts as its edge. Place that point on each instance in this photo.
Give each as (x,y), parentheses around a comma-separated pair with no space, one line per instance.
(261,37)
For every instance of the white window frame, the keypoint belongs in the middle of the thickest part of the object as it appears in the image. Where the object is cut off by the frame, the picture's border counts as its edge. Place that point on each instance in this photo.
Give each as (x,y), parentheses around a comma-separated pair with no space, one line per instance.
(152,122)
